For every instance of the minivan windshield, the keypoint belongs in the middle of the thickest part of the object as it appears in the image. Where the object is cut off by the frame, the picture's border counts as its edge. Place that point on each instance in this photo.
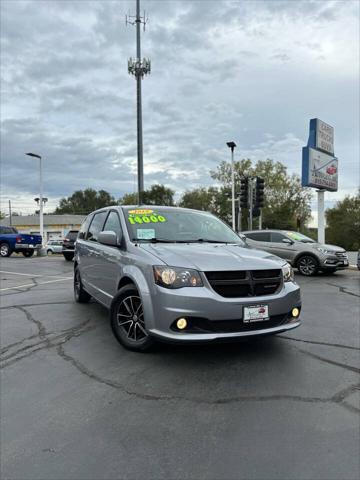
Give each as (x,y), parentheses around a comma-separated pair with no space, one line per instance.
(299,237)
(177,226)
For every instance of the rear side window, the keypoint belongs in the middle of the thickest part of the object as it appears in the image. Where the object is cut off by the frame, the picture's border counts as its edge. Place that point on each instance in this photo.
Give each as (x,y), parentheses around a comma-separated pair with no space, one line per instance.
(113,223)
(96,226)
(277,237)
(6,230)
(259,236)
(72,235)
(84,227)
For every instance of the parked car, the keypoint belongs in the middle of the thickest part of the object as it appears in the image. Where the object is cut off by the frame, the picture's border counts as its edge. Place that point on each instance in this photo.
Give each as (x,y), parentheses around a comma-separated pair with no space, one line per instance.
(358,260)
(180,275)
(68,245)
(299,250)
(13,241)
(54,246)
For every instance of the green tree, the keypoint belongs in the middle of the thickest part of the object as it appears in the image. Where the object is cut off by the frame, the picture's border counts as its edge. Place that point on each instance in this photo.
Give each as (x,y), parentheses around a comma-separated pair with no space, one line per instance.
(85,201)
(286,201)
(343,223)
(211,199)
(155,195)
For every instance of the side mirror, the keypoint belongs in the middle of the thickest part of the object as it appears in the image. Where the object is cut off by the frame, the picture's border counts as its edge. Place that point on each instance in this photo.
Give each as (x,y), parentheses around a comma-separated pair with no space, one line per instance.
(108,237)
(243,237)
(287,240)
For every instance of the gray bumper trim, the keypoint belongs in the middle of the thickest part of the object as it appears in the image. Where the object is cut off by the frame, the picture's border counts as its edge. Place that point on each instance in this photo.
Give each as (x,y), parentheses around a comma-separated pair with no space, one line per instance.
(198,337)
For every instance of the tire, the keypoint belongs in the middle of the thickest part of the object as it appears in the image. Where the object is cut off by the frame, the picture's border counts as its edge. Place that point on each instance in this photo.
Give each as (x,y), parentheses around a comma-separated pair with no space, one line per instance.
(80,295)
(307,265)
(127,320)
(49,252)
(68,256)
(5,250)
(28,253)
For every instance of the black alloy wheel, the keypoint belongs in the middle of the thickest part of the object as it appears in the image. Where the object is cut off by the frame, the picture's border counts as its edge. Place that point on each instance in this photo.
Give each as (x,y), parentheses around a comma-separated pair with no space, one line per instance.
(80,295)
(307,265)
(127,320)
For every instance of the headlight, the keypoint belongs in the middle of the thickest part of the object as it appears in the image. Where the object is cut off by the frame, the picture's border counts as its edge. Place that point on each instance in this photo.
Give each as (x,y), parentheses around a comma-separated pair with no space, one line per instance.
(175,277)
(323,250)
(288,273)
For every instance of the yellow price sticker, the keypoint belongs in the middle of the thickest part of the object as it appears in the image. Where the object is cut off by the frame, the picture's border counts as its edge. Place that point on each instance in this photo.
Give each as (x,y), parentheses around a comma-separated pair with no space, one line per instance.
(141,212)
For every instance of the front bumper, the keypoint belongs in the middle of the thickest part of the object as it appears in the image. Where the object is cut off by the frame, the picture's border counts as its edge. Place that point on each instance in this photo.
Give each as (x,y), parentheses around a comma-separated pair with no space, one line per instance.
(211,337)
(163,307)
(332,261)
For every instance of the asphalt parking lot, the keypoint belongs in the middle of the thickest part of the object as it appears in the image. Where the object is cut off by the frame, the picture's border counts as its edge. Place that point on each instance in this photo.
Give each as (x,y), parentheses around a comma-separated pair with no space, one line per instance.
(76,405)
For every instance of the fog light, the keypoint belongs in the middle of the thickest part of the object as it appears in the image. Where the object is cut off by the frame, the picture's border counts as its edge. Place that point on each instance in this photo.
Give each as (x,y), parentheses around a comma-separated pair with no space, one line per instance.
(181,323)
(295,312)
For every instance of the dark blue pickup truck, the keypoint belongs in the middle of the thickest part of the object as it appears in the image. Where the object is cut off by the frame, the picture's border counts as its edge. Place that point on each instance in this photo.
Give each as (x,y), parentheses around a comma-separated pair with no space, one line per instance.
(13,241)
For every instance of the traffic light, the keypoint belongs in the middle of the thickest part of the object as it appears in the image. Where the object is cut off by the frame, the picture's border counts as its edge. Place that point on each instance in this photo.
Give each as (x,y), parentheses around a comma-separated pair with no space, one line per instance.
(244,192)
(259,193)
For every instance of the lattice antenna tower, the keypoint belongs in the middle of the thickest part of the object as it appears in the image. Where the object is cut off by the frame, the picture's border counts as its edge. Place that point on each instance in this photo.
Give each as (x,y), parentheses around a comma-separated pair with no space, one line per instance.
(139,68)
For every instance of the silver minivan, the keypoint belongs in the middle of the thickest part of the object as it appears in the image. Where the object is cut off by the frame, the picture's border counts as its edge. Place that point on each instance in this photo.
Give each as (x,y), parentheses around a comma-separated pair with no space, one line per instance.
(180,275)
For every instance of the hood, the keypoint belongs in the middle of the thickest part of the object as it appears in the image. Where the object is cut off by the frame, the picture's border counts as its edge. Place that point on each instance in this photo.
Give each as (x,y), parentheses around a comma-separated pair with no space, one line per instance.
(330,248)
(210,257)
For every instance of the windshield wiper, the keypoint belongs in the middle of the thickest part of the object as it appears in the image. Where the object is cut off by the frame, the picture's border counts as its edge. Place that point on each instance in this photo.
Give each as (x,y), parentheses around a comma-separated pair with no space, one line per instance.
(153,240)
(205,240)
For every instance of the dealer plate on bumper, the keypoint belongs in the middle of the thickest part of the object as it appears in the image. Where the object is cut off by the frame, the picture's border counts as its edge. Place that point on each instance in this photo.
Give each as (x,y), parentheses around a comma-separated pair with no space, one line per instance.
(256,313)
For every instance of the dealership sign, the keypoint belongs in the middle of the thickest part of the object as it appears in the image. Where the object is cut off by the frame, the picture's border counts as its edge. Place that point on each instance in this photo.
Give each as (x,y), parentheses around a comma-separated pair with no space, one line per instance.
(319,166)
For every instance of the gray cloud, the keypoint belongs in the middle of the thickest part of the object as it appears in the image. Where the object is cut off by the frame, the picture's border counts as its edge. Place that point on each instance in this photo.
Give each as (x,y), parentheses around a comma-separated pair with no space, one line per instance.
(251,71)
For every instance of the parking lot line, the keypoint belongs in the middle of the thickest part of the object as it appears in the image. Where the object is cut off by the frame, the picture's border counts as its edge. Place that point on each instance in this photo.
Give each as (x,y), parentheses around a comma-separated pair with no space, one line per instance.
(25,274)
(35,285)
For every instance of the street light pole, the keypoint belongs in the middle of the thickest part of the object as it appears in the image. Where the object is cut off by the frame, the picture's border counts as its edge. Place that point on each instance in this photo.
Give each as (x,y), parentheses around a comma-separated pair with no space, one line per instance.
(42,250)
(232,145)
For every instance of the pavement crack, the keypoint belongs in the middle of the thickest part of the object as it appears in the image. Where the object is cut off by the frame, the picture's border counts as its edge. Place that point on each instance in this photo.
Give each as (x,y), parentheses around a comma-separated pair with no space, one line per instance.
(50,340)
(37,304)
(341,396)
(313,342)
(337,398)
(15,344)
(331,362)
(343,289)
(40,326)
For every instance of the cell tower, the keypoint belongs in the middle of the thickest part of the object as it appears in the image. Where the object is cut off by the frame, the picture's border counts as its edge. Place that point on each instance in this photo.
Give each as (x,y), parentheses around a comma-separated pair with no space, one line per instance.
(139,67)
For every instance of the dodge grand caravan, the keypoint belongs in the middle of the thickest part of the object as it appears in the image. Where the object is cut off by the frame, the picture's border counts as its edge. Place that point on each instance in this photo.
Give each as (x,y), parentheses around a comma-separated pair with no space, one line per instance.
(182,275)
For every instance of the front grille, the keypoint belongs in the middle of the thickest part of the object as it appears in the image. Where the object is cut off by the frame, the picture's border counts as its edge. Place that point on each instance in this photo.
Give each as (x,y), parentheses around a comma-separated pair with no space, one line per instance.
(245,283)
(342,255)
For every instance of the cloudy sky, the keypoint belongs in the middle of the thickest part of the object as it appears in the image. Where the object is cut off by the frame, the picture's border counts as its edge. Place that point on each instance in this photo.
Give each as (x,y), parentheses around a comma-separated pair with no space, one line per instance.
(250,71)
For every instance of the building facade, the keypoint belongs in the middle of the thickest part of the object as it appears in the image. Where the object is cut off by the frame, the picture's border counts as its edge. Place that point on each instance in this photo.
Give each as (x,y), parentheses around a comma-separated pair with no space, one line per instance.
(55,226)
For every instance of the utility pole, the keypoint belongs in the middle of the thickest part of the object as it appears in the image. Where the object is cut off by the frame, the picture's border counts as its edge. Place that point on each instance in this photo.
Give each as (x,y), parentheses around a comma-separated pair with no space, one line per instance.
(10,217)
(139,68)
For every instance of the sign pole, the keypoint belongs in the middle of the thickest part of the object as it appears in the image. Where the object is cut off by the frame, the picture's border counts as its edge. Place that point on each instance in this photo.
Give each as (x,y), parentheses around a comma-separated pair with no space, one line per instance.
(321,216)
